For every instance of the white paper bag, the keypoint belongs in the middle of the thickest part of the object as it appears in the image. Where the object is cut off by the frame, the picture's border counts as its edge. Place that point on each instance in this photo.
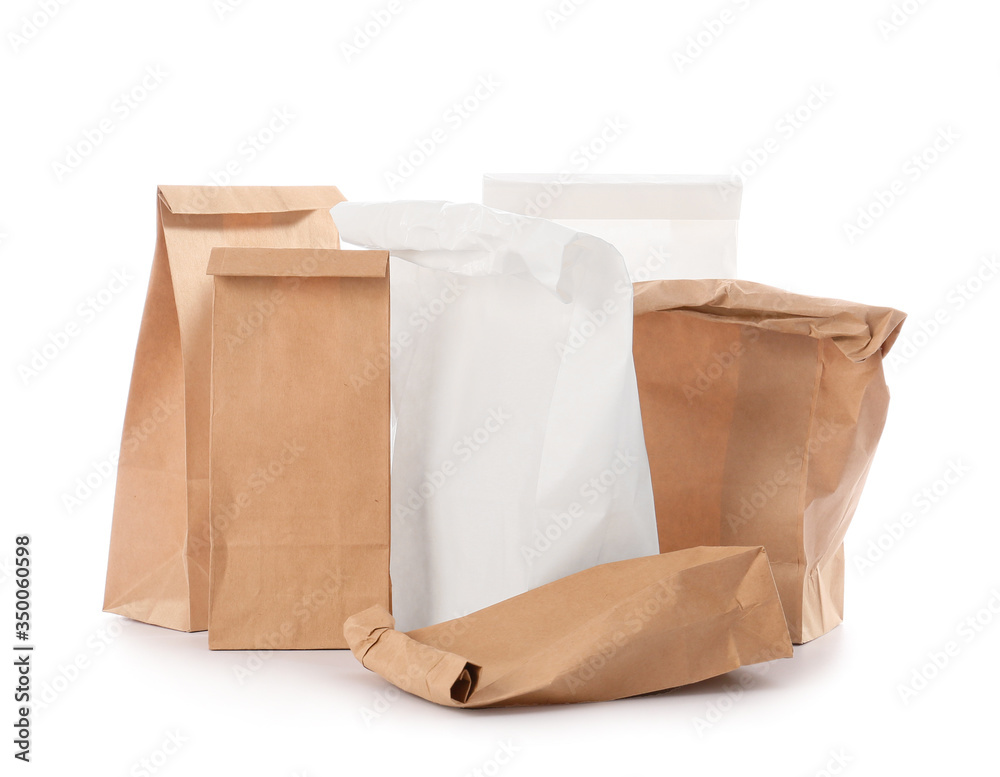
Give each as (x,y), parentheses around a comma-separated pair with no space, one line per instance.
(518,455)
(666,226)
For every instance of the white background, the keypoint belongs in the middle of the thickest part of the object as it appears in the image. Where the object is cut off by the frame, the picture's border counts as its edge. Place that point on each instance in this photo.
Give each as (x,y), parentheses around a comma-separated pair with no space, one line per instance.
(65,232)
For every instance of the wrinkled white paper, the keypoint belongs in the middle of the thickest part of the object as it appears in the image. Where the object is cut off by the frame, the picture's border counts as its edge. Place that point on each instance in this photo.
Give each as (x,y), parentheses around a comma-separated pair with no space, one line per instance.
(518,455)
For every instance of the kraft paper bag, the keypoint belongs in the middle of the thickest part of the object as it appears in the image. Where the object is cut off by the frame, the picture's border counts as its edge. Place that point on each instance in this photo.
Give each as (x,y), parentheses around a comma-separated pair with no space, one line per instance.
(762,410)
(666,226)
(609,632)
(158,560)
(518,455)
(300,445)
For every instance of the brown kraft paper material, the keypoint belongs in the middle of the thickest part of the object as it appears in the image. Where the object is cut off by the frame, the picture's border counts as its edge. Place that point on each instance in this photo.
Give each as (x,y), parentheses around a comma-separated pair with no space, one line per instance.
(300,445)
(158,559)
(761,411)
(609,632)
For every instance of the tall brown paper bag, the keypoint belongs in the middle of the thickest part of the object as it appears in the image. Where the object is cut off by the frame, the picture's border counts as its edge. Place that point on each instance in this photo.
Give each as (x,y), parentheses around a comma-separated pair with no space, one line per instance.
(612,631)
(761,411)
(158,560)
(300,445)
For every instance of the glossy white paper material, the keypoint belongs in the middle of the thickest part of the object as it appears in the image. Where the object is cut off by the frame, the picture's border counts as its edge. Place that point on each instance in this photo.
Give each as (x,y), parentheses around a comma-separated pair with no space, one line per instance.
(518,455)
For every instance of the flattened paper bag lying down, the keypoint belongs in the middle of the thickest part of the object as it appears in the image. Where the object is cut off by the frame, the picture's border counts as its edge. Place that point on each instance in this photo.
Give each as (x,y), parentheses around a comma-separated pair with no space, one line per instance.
(762,410)
(609,632)
(518,455)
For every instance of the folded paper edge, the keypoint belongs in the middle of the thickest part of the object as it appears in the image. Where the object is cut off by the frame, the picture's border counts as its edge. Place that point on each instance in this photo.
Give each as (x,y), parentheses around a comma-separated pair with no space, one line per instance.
(858,330)
(616,196)
(217,200)
(450,680)
(298,262)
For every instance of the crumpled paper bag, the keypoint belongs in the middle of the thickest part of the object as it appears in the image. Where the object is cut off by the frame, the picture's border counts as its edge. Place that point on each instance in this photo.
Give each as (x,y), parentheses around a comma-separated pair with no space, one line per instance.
(762,410)
(609,632)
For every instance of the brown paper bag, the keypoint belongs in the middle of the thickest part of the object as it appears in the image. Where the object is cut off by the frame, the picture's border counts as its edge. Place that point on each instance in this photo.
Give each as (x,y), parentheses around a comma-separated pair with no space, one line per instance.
(611,631)
(761,411)
(158,561)
(300,445)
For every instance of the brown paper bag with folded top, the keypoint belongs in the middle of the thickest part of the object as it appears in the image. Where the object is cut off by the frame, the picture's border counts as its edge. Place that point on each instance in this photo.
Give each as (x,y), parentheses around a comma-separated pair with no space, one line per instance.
(300,445)
(609,632)
(761,411)
(158,561)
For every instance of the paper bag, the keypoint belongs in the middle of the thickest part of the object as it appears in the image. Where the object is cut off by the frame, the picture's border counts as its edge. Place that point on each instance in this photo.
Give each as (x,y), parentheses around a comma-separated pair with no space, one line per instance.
(300,445)
(612,631)
(158,561)
(518,455)
(666,226)
(762,411)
